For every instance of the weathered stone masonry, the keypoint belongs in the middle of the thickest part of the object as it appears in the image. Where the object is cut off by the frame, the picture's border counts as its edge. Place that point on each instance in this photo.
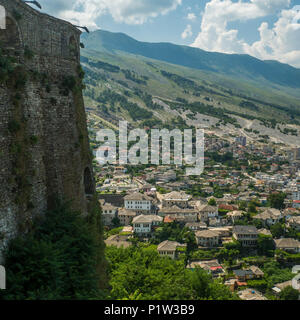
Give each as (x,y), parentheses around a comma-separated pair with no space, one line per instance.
(44,148)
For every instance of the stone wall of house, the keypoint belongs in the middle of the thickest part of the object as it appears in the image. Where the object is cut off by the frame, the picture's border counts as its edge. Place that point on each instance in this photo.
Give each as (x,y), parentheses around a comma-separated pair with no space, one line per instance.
(44,147)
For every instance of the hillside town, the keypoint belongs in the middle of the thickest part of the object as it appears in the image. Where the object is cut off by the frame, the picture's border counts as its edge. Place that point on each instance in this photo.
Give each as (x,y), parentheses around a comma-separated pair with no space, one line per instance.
(240,216)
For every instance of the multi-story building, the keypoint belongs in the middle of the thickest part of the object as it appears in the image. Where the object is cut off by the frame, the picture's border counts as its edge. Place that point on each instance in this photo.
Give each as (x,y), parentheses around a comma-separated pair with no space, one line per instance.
(168,249)
(138,202)
(207,238)
(247,235)
(126,216)
(144,225)
(176,198)
(185,215)
(207,211)
(109,213)
(269,217)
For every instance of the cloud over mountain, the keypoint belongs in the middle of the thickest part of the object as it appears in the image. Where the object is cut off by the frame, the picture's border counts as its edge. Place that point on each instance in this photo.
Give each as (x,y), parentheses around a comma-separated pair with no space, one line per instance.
(278,42)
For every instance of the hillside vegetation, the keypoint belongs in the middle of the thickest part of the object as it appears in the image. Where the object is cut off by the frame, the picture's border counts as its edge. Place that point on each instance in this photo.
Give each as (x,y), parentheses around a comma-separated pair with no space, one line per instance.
(152,93)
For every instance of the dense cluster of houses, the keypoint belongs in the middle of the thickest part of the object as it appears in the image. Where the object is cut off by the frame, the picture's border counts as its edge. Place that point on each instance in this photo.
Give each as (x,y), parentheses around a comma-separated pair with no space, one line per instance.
(144,202)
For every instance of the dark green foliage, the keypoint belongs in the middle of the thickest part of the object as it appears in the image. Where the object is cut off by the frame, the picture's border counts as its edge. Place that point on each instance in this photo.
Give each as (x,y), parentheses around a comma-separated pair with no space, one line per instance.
(135,112)
(277,230)
(276,200)
(212,202)
(141,270)
(131,75)
(265,245)
(274,273)
(249,105)
(103,65)
(57,260)
(289,293)
(171,231)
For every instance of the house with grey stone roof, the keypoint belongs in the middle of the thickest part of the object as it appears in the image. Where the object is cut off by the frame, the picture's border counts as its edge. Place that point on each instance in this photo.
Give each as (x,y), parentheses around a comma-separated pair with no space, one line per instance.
(207,238)
(247,235)
(168,248)
(269,217)
(288,244)
(144,225)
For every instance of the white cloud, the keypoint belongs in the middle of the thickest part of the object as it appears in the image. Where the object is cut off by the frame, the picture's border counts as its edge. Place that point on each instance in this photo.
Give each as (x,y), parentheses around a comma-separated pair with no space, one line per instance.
(86,12)
(281,42)
(191,16)
(187,33)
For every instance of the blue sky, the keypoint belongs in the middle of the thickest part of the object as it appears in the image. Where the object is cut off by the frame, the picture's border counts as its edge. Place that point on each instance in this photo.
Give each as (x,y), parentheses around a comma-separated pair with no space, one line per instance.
(267,29)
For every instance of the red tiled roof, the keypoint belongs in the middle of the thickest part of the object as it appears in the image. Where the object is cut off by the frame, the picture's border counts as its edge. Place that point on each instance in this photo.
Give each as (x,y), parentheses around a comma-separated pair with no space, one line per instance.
(216,268)
(168,219)
(241,283)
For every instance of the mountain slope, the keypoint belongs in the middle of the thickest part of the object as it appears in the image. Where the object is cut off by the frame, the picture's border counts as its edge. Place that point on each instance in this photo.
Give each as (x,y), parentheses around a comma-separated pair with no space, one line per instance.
(237,66)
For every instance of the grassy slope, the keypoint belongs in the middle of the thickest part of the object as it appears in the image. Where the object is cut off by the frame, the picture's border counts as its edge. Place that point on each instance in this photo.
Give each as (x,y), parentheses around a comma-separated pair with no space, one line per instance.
(160,86)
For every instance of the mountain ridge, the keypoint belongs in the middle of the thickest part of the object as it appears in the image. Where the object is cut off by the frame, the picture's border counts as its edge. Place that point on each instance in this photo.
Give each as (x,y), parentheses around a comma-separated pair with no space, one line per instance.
(239,66)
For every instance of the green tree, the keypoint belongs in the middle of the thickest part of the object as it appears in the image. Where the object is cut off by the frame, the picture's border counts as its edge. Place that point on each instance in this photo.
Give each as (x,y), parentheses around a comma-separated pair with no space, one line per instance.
(265,245)
(289,293)
(212,202)
(59,259)
(277,230)
(276,200)
(252,207)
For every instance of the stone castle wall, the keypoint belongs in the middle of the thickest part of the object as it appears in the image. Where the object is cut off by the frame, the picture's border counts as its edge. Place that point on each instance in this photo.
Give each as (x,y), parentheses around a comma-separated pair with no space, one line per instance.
(44,147)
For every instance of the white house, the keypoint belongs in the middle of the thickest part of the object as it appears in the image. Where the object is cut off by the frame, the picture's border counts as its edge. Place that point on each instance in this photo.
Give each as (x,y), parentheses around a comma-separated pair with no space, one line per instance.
(176,198)
(138,202)
(168,249)
(143,224)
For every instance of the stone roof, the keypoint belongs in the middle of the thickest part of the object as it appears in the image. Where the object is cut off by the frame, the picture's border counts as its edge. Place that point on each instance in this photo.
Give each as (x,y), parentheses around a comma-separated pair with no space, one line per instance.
(265,232)
(108,206)
(114,199)
(168,246)
(137,196)
(204,264)
(147,219)
(242,273)
(126,212)
(294,220)
(244,230)
(256,271)
(287,243)
(235,213)
(208,208)
(176,209)
(196,225)
(118,241)
(269,213)
(177,196)
(283,285)
(206,234)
